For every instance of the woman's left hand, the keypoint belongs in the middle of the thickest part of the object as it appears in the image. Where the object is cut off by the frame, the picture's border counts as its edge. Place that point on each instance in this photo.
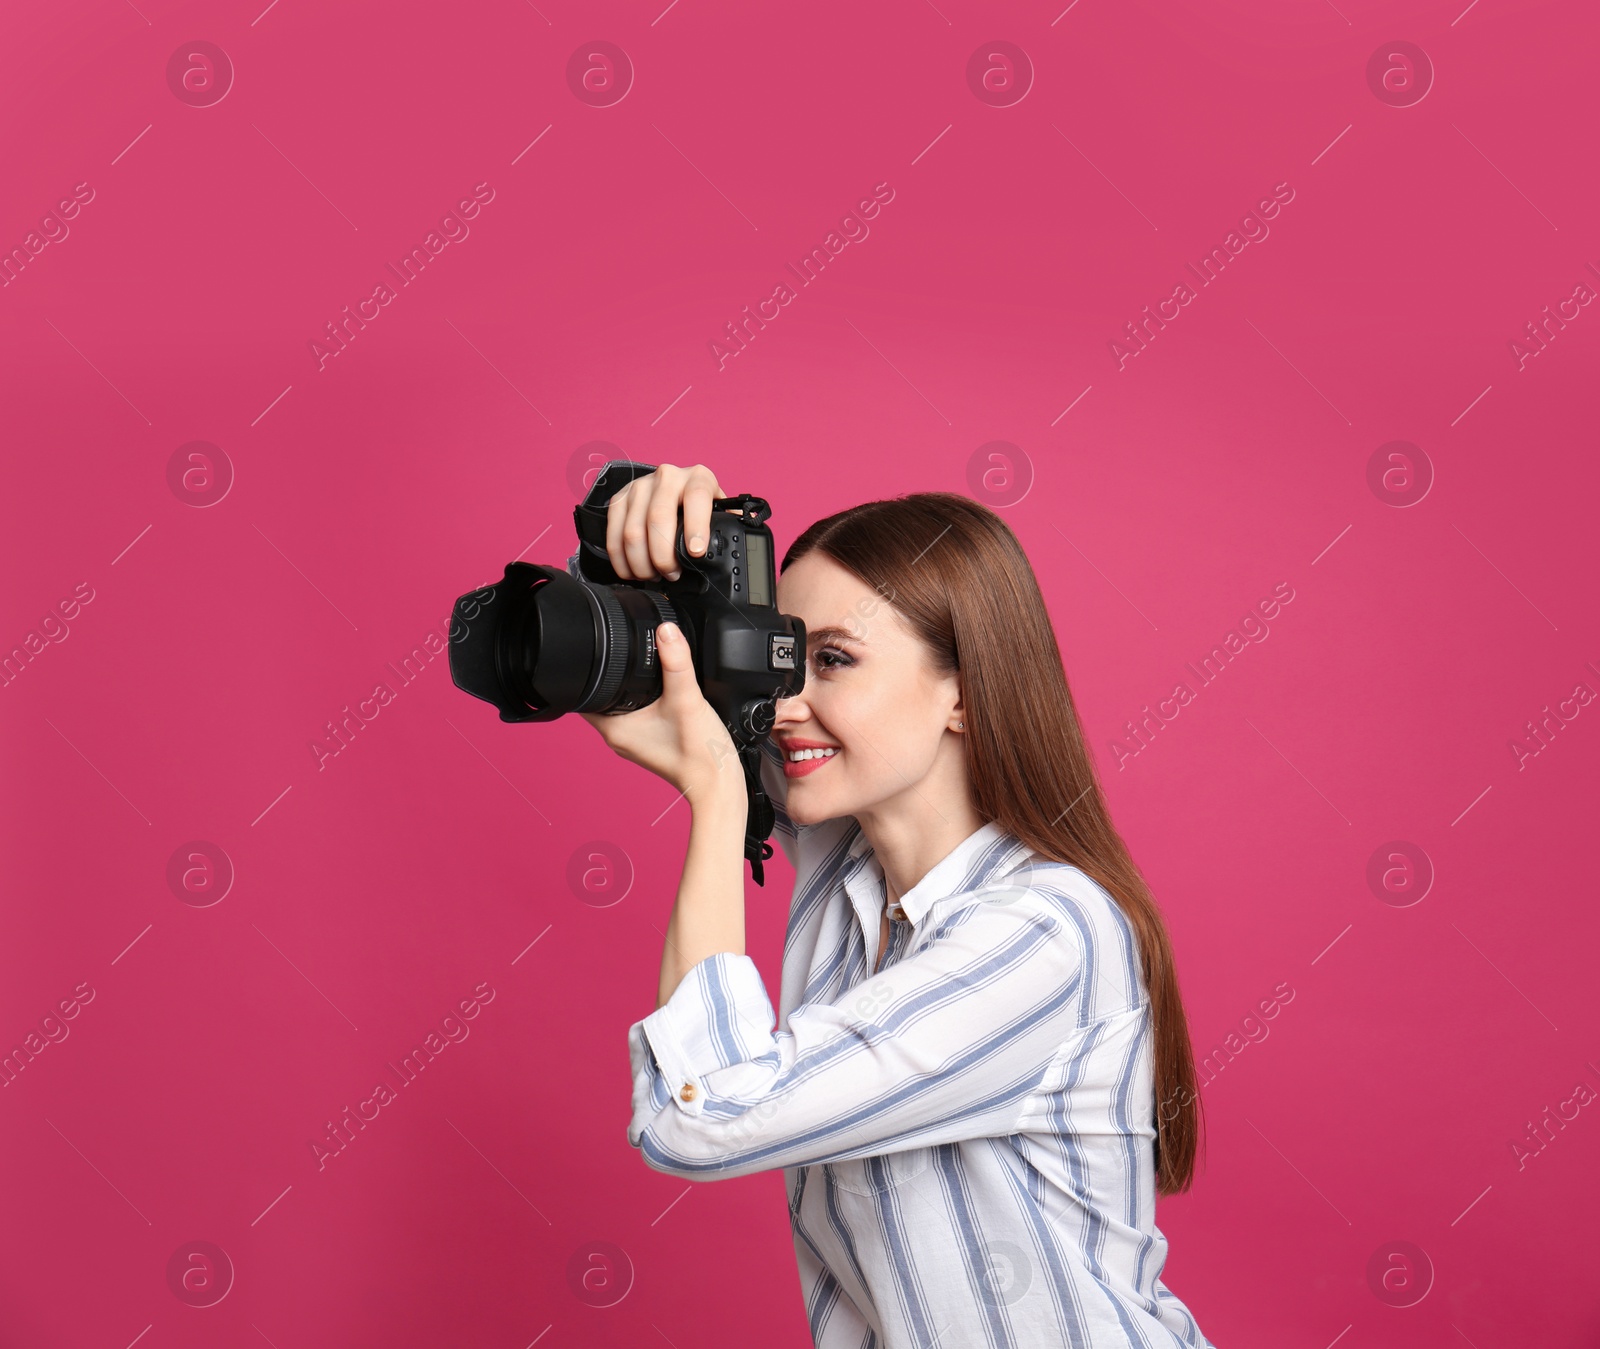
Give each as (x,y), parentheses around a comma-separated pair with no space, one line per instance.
(678,737)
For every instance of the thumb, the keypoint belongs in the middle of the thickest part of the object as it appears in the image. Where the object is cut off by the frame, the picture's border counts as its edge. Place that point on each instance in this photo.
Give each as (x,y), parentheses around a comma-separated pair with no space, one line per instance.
(677,665)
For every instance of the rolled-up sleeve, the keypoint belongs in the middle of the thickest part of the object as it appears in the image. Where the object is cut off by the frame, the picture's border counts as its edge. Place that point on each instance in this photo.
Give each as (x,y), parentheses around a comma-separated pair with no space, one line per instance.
(717,1017)
(948,1044)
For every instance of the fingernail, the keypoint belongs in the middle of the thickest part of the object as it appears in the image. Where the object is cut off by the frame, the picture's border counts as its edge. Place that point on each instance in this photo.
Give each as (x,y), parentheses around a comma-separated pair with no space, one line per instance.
(669,632)
(697,543)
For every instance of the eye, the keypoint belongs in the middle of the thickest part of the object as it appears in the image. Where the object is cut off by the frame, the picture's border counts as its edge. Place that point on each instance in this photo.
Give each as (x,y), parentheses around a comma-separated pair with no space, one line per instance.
(842,660)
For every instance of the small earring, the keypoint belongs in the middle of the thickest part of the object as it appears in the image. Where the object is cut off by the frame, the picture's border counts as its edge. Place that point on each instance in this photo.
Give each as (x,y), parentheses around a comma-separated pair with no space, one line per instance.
(961,725)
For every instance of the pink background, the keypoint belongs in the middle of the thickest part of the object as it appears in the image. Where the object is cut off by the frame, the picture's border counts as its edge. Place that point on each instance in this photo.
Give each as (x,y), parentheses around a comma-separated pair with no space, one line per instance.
(372,894)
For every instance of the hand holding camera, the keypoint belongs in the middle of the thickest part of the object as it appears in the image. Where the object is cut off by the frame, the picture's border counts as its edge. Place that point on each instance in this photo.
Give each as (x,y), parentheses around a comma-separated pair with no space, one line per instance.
(642,521)
(662,631)
(679,736)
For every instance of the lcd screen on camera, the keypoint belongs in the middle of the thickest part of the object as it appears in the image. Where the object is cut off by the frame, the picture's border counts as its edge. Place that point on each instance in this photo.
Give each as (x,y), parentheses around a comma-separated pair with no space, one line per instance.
(758,554)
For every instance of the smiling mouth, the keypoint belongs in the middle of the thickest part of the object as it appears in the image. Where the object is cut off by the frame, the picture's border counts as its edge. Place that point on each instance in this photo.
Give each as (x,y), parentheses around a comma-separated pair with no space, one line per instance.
(808,762)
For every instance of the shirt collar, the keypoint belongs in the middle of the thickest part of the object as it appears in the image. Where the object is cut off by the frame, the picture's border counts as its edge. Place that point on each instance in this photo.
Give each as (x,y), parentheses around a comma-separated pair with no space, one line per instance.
(977,860)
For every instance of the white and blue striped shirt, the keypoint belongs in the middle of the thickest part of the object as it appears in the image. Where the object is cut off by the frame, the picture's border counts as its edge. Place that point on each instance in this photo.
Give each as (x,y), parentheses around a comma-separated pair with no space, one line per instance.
(967,1135)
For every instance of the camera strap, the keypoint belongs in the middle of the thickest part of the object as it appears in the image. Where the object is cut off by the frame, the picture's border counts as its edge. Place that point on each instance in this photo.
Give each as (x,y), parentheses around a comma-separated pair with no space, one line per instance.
(759,821)
(590,514)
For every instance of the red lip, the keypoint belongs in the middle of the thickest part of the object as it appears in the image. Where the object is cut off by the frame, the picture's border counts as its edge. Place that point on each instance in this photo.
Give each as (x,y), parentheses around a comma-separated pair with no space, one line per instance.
(808,766)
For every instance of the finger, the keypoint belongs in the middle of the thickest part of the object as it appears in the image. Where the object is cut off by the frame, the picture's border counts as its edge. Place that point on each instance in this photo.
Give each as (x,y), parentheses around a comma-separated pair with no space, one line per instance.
(677,664)
(661,526)
(636,510)
(616,517)
(698,494)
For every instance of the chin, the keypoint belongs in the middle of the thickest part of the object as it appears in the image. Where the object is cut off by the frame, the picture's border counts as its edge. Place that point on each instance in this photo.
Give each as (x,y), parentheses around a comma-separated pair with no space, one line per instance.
(800,815)
(805,813)
(820,811)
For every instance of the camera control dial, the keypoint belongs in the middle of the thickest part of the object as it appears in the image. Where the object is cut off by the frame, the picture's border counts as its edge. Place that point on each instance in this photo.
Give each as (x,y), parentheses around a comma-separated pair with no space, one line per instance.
(759,717)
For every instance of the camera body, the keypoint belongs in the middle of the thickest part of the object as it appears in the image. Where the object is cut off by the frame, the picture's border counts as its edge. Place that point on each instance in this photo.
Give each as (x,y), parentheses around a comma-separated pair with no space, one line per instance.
(544,641)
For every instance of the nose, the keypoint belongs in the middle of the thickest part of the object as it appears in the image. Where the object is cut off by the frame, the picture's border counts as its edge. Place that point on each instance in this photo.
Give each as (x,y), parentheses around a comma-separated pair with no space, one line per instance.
(790,712)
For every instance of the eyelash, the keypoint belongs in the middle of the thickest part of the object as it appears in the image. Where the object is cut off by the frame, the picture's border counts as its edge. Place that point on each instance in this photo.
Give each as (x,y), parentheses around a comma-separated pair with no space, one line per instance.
(831,650)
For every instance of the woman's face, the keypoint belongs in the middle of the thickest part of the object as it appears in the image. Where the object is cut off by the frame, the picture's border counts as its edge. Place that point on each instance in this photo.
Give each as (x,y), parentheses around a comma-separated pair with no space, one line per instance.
(871,694)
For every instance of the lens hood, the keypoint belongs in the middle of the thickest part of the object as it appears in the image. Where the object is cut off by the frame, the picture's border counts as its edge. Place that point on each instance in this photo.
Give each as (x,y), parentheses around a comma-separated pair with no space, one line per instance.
(504,639)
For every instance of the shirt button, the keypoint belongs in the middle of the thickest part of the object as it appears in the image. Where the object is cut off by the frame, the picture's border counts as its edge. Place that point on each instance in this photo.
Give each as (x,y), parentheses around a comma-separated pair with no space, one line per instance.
(688,1091)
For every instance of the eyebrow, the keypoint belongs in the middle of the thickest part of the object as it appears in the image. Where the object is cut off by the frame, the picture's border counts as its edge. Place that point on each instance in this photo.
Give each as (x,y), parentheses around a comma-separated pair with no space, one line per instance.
(820,635)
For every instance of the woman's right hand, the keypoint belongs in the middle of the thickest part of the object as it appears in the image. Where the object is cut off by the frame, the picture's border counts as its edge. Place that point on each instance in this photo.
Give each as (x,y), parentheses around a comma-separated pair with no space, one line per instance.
(642,520)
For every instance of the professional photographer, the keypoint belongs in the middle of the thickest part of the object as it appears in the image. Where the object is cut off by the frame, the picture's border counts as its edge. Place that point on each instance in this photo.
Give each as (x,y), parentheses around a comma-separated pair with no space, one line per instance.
(979,1076)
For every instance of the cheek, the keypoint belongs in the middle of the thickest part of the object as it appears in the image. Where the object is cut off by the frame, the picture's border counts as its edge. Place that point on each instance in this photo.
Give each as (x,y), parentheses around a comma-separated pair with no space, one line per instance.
(888,732)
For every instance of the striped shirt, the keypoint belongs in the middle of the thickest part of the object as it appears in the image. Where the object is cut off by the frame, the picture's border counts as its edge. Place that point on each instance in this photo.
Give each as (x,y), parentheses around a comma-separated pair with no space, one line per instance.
(967,1135)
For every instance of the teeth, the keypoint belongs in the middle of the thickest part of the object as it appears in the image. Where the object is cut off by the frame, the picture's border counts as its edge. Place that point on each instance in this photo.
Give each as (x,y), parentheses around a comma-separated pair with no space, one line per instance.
(801,755)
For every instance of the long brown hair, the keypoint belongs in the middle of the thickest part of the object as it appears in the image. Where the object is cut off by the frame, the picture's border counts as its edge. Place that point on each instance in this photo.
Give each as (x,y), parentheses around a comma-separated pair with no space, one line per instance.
(956,573)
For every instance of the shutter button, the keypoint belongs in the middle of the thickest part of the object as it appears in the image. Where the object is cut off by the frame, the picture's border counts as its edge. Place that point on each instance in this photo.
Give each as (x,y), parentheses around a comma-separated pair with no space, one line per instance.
(688,1091)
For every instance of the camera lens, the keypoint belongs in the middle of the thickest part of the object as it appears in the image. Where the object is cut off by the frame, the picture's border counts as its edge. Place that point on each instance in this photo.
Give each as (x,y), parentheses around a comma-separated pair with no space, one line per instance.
(539,643)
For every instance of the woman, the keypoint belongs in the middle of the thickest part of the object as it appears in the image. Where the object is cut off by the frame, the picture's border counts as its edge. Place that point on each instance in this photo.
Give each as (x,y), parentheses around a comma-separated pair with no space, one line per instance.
(979,1008)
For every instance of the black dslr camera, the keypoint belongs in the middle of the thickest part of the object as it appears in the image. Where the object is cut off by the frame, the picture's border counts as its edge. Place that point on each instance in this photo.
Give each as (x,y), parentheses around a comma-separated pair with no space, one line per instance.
(545,641)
